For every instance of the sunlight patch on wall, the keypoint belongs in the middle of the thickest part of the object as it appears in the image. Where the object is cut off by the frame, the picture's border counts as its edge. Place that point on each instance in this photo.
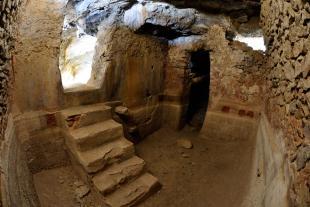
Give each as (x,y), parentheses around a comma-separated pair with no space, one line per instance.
(257,43)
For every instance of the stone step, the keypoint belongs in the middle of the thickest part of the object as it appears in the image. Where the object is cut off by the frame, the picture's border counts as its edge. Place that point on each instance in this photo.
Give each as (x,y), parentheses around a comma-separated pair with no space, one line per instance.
(80,116)
(116,175)
(134,192)
(91,136)
(104,155)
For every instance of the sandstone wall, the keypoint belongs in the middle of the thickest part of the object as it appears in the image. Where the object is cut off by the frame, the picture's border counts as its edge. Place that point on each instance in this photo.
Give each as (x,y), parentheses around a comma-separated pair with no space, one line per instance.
(37,76)
(130,65)
(130,68)
(286,26)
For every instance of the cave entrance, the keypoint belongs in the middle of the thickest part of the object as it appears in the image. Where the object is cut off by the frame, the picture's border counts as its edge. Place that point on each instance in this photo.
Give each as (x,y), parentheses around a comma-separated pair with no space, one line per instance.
(199,91)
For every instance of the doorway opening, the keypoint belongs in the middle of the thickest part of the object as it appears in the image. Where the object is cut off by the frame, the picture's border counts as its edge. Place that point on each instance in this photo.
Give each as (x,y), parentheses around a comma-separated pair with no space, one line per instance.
(200,85)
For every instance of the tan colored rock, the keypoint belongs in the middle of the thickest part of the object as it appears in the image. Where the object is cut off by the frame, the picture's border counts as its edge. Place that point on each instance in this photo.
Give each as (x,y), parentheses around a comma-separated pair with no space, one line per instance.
(298,48)
(82,191)
(121,110)
(303,156)
(289,71)
(185,143)
(134,192)
(111,179)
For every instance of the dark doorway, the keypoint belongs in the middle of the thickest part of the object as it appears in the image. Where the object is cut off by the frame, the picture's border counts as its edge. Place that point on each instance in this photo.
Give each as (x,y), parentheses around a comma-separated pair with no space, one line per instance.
(199,92)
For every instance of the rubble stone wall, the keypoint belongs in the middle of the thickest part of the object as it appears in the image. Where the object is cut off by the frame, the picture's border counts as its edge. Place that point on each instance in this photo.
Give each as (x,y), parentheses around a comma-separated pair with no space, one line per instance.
(236,72)
(8,12)
(286,25)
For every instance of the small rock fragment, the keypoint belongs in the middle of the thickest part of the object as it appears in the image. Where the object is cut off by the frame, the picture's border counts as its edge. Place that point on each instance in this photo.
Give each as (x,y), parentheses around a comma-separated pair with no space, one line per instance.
(78,183)
(61,180)
(82,191)
(185,155)
(303,156)
(185,143)
(121,110)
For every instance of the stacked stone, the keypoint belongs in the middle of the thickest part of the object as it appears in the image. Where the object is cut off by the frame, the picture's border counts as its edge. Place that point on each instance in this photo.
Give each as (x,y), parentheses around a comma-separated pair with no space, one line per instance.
(286,25)
(8,11)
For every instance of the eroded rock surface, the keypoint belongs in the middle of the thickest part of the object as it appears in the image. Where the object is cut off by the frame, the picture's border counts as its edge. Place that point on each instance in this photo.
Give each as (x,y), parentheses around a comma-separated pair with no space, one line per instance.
(183,22)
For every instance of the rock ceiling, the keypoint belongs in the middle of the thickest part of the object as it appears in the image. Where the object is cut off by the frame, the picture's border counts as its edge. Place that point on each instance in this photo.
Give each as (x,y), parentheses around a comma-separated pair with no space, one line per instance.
(250,7)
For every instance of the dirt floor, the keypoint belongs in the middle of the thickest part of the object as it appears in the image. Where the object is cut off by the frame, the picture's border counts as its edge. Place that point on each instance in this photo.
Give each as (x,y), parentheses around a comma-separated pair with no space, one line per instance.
(61,187)
(211,174)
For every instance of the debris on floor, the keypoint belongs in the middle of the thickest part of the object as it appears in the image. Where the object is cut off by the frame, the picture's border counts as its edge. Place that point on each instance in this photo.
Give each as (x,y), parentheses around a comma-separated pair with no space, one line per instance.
(185,143)
(68,191)
(81,191)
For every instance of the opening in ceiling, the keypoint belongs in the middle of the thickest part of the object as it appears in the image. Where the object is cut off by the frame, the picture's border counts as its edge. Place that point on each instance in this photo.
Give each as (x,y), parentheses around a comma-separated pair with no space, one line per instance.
(255,42)
(76,54)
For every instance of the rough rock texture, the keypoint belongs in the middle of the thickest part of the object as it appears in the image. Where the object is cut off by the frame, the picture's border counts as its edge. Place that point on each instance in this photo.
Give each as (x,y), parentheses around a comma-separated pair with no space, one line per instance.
(183,22)
(286,26)
(8,12)
(236,71)
(89,15)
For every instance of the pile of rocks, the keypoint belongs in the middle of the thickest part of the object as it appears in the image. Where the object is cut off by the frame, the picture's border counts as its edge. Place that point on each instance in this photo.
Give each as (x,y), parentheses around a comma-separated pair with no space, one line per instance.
(8,11)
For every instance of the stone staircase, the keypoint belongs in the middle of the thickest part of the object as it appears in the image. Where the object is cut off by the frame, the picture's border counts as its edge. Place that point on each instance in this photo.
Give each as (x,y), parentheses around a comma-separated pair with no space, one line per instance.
(104,158)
